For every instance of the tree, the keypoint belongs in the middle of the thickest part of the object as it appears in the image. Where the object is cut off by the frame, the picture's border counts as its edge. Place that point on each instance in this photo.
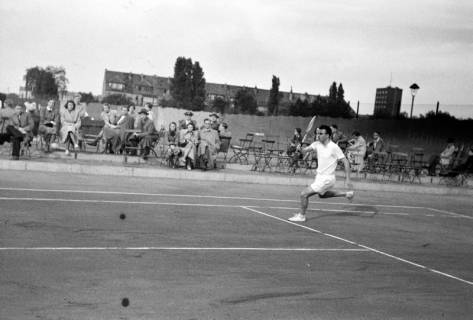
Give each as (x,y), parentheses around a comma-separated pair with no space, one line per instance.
(87,97)
(117,99)
(181,83)
(333,92)
(340,93)
(59,74)
(274,97)
(45,83)
(198,93)
(219,105)
(245,101)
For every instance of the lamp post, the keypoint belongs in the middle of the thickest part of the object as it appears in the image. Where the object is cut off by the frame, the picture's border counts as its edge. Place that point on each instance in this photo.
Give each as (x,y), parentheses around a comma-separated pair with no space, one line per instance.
(414,88)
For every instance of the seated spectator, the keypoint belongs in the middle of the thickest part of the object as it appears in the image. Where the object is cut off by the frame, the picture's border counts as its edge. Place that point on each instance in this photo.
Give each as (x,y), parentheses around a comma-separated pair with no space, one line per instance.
(124,123)
(171,140)
(33,110)
(188,140)
(338,137)
(208,146)
(11,129)
(376,145)
(70,124)
(183,123)
(295,141)
(147,134)
(132,111)
(467,166)
(223,130)
(356,151)
(48,123)
(444,158)
(110,130)
(214,123)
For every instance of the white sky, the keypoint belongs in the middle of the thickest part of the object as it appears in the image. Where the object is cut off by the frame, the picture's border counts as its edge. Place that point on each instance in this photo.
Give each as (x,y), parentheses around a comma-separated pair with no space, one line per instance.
(307,44)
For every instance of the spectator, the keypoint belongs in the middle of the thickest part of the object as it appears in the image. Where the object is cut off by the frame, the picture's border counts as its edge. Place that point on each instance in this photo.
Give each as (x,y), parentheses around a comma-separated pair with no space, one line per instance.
(48,123)
(147,135)
(183,124)
(70,124)
(110,129)
(214,123)
(445,158)
(188,140)
(208,146)
(8,131)
(81,107)
(295,142)
(357,151)
(171,139)
(337,135)
(126,122)
(223,130)
(376,145)
(151,115)
(132,111)
(32,109)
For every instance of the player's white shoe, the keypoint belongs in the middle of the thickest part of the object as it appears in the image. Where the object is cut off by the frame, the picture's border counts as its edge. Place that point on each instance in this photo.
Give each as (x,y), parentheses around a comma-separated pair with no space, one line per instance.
(297,218)
(350,195)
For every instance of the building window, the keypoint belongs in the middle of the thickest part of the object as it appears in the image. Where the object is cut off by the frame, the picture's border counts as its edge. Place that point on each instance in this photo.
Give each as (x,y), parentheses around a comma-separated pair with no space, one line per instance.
(116,86)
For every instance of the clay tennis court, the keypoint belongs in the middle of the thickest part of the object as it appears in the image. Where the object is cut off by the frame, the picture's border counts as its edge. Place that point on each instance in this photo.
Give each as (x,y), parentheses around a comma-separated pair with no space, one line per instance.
(213,250)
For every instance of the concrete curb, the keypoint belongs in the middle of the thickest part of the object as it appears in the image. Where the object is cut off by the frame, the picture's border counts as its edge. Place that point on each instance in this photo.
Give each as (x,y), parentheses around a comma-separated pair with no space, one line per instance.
(240,177)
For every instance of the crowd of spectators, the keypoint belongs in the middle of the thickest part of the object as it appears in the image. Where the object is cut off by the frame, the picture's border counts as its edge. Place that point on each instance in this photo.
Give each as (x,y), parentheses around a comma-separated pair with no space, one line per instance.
(125,130)
(186,143)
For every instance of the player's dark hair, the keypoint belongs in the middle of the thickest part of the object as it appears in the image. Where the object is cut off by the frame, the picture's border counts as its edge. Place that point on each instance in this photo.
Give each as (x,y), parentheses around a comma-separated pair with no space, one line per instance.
(334,126)
(326,128)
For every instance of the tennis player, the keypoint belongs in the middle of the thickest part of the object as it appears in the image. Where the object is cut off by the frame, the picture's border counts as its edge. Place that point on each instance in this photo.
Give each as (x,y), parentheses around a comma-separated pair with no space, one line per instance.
(328,155)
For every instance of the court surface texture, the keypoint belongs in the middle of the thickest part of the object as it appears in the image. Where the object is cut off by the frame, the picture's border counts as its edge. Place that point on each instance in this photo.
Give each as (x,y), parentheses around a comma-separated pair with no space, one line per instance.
(109,247)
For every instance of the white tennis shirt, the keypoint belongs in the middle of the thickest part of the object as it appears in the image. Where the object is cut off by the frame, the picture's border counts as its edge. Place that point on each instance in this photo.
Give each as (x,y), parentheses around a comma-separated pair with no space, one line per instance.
(327,156)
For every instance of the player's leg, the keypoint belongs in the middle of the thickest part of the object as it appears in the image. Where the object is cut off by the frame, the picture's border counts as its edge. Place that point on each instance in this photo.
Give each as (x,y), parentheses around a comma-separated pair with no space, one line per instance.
(335,193)
(304,198)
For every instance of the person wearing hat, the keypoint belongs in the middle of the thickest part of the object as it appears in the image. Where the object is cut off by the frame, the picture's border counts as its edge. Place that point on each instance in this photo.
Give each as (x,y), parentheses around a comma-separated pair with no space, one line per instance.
(214,123)
(146,135)
(184,122)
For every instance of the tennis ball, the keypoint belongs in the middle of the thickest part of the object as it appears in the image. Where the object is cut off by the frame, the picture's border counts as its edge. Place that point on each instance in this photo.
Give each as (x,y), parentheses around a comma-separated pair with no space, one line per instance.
(125,302)
(122,216)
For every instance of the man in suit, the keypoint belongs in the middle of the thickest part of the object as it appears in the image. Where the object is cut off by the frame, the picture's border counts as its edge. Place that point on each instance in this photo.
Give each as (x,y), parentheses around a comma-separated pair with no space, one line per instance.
(16,127)
(146,135)
(184,122)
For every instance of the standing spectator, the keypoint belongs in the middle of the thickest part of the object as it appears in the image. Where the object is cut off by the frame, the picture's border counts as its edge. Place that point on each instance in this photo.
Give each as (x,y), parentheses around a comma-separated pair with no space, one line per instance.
(214,123)
(183,124)
(357,151)
(445,158)
(70,124)
(209,145)
(81,107)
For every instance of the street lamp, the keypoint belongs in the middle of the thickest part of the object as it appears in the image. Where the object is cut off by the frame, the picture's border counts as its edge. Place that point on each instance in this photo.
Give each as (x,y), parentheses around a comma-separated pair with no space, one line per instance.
(414,88)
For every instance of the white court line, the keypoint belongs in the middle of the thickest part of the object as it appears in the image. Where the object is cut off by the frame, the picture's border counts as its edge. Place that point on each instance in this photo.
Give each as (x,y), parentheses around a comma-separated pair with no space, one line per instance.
(178,249)
(190,204)
(202,205)
(453,214)
(361,246)
(203,197)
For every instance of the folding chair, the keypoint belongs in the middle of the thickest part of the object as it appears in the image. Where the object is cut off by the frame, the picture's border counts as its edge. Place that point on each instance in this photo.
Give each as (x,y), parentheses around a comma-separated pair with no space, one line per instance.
(242,150)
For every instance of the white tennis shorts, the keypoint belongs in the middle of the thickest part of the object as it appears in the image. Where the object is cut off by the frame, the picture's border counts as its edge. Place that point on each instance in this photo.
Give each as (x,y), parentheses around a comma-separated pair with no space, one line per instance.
(323,183)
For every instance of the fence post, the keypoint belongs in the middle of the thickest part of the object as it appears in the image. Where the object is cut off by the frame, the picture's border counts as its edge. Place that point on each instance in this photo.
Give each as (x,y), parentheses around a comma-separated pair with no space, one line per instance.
(357,108)
(437,109)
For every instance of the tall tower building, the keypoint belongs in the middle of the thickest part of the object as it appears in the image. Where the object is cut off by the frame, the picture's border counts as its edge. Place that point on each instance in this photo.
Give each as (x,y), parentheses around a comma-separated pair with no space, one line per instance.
(388,102)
